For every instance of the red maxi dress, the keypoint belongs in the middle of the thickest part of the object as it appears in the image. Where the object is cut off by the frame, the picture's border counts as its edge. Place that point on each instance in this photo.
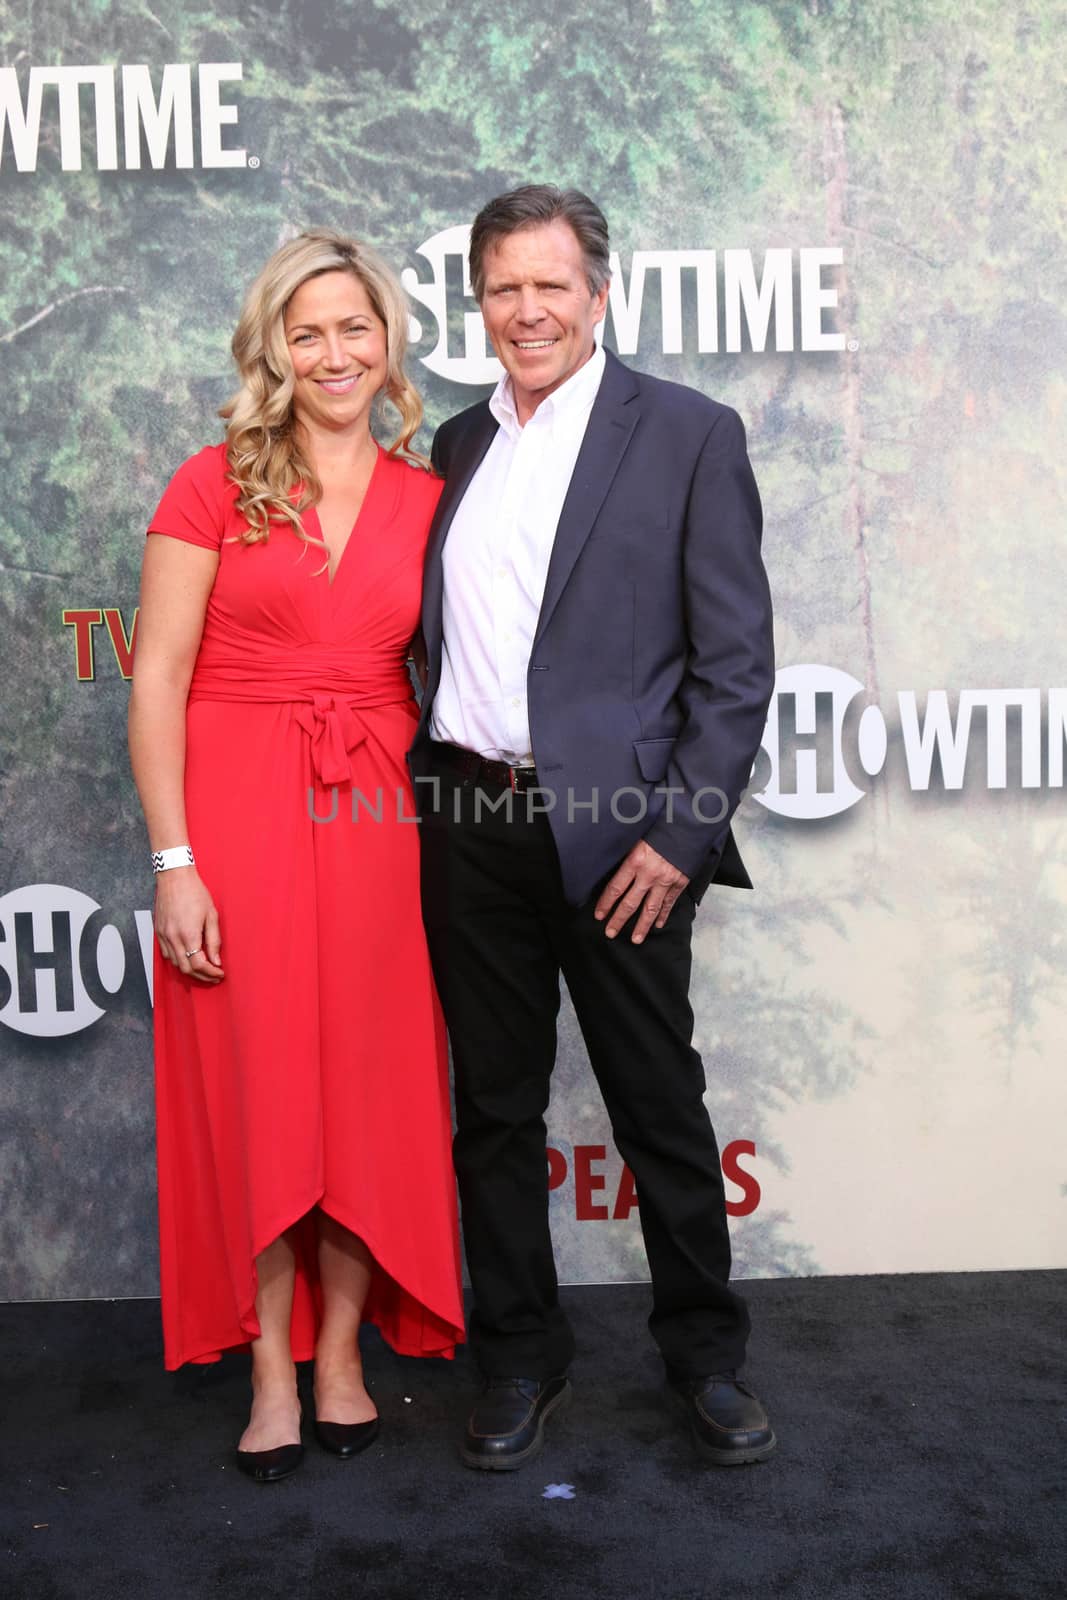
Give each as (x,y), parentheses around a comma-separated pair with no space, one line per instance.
(315,1073)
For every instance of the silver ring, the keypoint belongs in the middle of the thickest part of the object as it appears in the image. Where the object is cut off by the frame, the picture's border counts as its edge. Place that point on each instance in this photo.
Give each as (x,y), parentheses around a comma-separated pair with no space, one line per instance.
(196,952)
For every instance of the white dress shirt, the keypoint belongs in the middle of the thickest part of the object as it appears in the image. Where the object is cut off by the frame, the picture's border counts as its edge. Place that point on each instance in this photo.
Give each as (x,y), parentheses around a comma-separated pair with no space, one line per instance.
(496,562)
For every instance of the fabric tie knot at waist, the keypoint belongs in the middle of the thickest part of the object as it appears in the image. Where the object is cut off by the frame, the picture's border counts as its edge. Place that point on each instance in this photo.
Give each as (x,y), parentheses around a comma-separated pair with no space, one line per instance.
(334,730)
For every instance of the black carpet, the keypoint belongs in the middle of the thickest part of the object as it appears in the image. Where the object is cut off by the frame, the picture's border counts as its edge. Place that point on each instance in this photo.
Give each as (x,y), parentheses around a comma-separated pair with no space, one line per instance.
(923,1452)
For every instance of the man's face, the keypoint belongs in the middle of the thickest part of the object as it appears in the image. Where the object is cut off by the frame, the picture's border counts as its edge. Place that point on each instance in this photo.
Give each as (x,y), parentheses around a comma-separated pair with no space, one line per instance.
(538,310)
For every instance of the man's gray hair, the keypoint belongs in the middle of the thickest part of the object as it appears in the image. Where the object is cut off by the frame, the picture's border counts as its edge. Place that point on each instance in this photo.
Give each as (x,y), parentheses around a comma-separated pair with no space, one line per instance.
(531,206)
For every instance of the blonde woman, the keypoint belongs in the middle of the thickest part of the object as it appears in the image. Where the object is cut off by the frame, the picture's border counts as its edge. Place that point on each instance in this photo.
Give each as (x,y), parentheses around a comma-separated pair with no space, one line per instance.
(305,1179)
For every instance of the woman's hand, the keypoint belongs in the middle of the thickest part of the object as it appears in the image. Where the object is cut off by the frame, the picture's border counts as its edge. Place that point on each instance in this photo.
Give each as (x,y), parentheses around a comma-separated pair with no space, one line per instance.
(187,924)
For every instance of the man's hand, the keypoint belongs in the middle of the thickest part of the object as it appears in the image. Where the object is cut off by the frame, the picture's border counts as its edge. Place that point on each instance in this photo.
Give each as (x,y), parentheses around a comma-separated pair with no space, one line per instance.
(645,876)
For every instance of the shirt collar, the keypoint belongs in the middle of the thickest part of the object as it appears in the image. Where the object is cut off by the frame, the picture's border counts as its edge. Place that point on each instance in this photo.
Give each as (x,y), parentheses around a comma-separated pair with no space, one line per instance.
(571,400)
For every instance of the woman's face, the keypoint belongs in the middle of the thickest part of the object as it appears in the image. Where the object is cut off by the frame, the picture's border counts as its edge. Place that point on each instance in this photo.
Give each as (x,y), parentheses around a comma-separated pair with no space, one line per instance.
(337,344)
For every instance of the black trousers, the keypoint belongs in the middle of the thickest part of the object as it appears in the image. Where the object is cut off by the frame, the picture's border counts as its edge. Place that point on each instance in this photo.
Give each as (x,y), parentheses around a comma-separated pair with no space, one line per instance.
(500,932)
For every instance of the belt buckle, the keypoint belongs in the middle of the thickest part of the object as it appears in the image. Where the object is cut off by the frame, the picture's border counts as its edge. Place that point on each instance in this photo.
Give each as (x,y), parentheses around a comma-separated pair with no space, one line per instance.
(513,786)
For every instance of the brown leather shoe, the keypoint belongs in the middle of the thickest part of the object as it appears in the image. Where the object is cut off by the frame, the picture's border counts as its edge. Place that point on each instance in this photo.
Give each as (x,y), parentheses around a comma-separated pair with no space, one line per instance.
(506,1427)
(728,1423)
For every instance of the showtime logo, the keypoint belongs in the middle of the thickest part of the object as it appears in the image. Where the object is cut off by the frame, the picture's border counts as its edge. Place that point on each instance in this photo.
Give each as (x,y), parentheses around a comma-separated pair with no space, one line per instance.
(62,961)
(780,304)
(150,121)
(814,719)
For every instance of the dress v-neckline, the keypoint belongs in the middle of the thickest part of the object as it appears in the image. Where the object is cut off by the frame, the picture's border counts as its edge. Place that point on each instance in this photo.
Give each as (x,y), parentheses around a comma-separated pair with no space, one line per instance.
(331,581)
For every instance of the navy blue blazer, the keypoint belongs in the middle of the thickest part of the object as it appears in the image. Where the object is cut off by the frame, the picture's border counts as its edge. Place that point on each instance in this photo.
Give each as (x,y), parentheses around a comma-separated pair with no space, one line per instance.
(652,665)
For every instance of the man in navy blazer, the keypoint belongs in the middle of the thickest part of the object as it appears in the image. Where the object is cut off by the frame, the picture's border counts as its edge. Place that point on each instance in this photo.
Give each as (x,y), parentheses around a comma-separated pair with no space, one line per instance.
(598,632)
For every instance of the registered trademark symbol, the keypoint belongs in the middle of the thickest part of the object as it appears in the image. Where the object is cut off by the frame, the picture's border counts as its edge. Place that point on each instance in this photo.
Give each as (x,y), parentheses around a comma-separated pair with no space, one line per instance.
(253,162)
(853,344)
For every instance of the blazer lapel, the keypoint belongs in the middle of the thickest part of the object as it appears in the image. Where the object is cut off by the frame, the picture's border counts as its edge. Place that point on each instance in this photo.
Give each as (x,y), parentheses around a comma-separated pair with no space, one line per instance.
(468,458)
(611,424)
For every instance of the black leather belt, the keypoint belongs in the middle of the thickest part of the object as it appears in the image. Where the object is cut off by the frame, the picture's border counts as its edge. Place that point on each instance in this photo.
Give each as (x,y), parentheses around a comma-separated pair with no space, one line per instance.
(471,765)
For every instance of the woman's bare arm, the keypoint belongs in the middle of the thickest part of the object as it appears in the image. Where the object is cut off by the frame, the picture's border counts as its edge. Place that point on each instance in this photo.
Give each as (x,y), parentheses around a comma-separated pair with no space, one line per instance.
(176,581)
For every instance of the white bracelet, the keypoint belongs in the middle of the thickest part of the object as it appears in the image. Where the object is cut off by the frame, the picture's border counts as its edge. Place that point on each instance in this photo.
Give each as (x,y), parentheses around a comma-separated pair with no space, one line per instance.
(180,856)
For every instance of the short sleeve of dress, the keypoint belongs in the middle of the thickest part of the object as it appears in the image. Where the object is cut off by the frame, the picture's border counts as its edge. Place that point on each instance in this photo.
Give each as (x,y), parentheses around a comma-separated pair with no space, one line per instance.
(195,501)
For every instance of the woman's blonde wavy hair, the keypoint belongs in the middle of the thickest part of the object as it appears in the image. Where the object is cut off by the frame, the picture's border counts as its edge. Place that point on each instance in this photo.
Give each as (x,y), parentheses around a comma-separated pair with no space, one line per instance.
(263,449)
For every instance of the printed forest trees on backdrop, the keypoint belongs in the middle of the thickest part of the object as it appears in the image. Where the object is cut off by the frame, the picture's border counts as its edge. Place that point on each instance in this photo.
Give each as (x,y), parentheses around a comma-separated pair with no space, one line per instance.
(901,479)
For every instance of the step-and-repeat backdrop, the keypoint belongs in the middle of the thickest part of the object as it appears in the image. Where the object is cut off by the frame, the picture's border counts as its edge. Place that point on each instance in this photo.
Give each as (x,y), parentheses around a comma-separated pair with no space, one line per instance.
(845,220)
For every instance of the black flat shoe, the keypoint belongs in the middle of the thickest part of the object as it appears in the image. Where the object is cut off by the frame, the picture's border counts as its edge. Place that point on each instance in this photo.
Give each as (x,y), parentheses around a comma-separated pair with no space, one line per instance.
(507,1426)
(267,1466)
(728,1424)
(347,1439)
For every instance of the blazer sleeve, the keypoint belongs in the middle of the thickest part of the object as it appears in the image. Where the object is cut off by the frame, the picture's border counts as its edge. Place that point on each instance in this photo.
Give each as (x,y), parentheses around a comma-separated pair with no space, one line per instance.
(730,675)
